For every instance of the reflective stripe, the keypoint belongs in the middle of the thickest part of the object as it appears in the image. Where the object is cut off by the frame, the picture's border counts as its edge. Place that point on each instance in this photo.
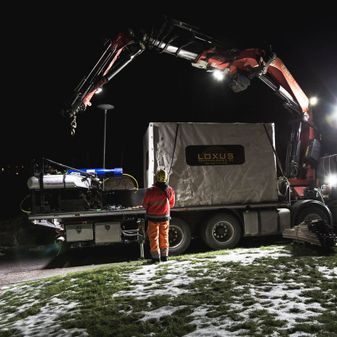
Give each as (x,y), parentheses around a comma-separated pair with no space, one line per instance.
(154,216)
(158,234)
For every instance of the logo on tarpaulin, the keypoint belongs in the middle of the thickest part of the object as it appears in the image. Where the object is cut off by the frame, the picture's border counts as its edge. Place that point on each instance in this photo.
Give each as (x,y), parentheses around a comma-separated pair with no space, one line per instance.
(197,155)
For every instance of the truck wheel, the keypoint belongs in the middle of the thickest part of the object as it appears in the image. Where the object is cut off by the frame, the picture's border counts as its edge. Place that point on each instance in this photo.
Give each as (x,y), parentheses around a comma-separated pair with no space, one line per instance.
(222,231)
(312,212)
(179,236)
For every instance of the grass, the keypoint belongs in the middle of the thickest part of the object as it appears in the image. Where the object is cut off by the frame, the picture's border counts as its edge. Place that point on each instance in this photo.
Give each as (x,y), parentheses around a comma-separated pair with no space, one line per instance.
(275,295)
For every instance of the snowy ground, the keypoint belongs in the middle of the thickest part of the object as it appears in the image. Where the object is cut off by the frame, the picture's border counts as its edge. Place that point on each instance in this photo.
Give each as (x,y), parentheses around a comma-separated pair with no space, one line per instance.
(283,300)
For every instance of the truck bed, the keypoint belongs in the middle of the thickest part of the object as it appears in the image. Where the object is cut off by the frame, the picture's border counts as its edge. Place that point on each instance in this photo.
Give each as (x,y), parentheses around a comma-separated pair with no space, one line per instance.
(88,213)
(141,211)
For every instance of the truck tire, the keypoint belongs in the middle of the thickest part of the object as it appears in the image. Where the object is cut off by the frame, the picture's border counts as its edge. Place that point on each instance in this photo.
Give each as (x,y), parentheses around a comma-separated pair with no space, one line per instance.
(333,208)
(222,231)
(179,236)
(312,212)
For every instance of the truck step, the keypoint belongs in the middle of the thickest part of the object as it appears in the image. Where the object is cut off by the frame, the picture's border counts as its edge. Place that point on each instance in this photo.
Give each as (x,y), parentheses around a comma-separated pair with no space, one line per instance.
(316,232)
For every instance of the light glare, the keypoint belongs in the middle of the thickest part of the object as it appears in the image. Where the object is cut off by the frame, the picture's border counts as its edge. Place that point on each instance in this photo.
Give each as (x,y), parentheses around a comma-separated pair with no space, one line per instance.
(332,117)
(334,114)
(313,100)
(332,180)
(218,75)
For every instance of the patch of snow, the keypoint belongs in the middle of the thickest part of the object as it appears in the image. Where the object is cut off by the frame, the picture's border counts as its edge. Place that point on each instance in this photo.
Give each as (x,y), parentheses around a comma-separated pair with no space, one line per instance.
(160,312)
(45,322)
(247,256)
(143,280)
(329,273)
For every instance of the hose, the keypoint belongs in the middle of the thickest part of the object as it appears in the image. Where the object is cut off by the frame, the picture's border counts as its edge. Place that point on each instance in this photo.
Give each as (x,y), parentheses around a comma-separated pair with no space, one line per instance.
(133,178)
(21,203)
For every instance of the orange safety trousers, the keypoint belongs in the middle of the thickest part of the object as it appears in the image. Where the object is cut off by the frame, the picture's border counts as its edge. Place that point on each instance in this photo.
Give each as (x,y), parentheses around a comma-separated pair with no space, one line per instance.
(158,233)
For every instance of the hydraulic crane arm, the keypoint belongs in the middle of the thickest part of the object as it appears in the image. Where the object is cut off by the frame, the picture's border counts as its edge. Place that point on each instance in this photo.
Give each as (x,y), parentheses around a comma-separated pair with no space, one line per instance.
(118,53)
(183,41)
(239,66)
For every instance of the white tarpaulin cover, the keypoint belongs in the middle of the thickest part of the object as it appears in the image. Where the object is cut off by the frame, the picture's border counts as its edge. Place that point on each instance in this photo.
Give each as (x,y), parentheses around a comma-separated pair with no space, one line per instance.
(213,163)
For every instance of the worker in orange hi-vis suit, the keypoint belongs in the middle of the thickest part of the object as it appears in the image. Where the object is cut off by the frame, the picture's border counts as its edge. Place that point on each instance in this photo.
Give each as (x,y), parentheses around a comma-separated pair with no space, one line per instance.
(158,201)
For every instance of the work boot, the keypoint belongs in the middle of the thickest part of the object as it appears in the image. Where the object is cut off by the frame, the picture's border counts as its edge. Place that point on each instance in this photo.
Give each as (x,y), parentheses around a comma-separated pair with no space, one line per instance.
(155,260)
(164,258)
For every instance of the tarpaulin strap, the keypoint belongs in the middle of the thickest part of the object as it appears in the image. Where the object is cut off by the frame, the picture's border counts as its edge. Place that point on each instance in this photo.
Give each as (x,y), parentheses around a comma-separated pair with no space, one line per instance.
(174,148)
(272,146)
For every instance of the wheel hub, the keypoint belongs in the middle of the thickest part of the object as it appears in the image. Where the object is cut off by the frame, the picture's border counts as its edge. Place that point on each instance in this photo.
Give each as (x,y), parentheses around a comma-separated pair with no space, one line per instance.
(221,231)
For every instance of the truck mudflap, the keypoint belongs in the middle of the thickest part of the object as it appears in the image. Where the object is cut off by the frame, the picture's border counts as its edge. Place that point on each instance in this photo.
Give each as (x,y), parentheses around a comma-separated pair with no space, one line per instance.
(316,232)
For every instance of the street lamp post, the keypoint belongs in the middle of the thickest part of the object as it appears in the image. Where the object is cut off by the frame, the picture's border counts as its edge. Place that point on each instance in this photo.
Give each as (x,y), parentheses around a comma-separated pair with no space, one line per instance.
(106,108)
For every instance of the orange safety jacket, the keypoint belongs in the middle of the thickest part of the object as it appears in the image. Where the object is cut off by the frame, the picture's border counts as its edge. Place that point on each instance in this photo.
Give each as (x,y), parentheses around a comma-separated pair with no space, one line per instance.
(158,203)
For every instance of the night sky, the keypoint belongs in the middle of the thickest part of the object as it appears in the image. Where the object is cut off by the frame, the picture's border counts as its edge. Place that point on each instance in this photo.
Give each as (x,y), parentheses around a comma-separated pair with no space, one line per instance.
(53,47)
